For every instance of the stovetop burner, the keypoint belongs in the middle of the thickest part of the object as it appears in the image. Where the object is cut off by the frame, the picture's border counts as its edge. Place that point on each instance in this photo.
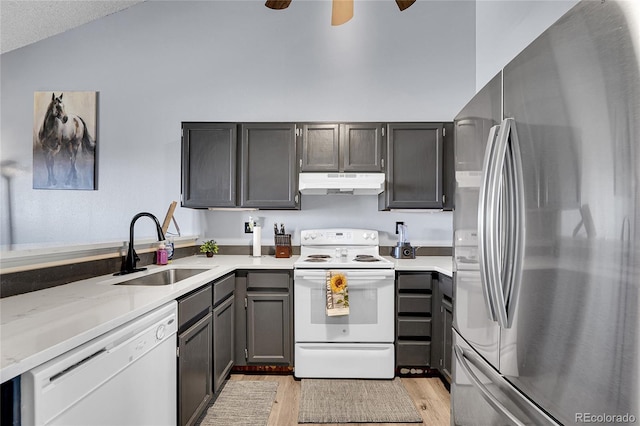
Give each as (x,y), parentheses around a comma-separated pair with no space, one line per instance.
(366,258)
(319,256)
(317,259)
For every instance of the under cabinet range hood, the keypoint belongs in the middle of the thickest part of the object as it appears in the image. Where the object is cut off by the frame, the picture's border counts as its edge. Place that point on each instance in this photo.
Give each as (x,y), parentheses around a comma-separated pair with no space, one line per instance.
(341,183)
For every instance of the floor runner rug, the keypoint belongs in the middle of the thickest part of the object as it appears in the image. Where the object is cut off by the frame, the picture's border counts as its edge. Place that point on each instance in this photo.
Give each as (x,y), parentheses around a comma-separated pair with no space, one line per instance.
(241,402)
(356,401)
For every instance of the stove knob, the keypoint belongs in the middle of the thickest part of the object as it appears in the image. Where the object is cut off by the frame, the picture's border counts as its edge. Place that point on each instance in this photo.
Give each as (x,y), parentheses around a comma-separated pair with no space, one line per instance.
(305,236)
(365,236)
(373,236)
(313,236)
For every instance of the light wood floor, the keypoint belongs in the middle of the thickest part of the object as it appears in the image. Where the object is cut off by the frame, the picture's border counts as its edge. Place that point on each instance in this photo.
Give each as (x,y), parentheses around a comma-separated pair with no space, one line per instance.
(429,395)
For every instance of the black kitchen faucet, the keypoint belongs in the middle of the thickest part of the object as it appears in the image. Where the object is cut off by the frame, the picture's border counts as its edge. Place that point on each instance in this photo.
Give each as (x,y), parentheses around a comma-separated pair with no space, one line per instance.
(129,265)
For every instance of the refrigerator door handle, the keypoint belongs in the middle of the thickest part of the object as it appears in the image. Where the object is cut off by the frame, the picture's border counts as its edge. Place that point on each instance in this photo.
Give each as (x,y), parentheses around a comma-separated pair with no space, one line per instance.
(484,216)
(516,237)
(505,201)
(462,358)
(535,415)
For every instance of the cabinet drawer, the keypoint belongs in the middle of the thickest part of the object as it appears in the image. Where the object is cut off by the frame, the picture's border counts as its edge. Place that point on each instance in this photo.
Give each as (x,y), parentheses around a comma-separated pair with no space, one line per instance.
(267,280)
(194,306)
(414,353)
(414,282)
(414,304)
(223,288)
(414,327)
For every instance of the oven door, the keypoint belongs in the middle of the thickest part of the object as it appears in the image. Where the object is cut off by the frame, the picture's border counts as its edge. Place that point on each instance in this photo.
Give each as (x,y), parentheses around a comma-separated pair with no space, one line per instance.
(371,307)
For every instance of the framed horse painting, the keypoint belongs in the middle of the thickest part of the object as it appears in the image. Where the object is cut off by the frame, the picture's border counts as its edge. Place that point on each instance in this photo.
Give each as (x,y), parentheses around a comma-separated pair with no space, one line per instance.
(64,140)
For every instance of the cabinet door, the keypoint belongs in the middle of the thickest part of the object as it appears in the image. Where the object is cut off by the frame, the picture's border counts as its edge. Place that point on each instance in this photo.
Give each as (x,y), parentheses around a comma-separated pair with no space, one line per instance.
(269,177)
(268,328)
(194,370)
(447,341)
(448,168)
(320,147)
(209,164)
(223,336)
(414,165)
(361,147)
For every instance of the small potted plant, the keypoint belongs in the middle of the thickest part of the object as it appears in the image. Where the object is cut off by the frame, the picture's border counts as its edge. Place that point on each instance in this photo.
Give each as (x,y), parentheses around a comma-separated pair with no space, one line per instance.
(209,248)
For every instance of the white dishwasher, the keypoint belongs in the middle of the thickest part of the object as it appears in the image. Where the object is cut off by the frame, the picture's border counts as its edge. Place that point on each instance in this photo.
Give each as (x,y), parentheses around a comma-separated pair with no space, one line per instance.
(124,377)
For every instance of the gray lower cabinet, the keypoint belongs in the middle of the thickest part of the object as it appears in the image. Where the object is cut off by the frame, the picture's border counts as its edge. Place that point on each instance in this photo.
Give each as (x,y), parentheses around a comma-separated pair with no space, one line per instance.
(195,333)
(223,329)
(265,312)
(209,153)
(414,172)
(342,147)
(269,177)
(443,347)
(413,319)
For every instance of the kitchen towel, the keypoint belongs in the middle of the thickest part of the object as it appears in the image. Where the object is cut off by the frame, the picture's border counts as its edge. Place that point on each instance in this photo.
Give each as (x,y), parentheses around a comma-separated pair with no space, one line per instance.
(337,294)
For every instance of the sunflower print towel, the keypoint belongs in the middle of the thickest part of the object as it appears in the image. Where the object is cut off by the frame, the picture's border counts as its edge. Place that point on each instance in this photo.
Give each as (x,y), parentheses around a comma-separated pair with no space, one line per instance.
(337,294)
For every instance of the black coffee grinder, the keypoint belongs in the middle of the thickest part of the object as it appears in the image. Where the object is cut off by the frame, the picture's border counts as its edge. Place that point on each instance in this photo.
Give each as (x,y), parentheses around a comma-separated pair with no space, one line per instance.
(403,249)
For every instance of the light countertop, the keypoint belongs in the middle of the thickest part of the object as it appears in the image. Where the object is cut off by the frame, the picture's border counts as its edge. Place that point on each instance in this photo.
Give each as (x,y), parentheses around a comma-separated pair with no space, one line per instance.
(38,326)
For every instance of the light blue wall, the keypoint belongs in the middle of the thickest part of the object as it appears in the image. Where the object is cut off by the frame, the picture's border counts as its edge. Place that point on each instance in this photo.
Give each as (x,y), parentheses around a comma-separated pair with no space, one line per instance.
(162,62)
(504,28)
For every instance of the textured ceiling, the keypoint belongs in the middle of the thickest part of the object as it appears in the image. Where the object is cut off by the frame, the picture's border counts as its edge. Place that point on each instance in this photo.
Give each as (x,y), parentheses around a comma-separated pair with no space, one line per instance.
(23,22)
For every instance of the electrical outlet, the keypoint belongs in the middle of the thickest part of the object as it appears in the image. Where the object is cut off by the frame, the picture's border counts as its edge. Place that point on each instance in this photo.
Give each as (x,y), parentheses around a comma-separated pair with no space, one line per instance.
(247,228)
(398,223)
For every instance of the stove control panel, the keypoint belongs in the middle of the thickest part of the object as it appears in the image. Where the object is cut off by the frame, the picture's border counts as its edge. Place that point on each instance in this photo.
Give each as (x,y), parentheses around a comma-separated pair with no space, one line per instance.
(339,237)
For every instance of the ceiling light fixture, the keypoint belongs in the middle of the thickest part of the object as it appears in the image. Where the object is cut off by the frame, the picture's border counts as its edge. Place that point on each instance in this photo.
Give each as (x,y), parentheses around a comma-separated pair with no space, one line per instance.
(341,11)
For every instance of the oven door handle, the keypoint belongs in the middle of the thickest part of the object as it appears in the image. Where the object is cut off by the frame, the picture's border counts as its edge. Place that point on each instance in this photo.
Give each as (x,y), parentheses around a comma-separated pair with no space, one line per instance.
(351,275)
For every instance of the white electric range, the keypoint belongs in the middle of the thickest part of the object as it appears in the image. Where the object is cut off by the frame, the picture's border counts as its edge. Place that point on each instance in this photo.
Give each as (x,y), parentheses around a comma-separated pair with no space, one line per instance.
(361,343)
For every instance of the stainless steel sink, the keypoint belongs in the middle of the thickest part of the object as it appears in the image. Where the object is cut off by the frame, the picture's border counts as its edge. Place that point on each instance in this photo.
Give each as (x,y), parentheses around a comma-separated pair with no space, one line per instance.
(164,277)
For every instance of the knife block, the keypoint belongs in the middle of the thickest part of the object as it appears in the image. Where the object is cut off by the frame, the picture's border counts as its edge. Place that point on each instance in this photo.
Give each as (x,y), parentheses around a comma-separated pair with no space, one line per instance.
(283,245)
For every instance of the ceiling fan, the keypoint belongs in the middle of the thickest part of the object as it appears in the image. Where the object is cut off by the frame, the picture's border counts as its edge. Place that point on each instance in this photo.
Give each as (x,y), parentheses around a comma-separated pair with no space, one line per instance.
(341,11)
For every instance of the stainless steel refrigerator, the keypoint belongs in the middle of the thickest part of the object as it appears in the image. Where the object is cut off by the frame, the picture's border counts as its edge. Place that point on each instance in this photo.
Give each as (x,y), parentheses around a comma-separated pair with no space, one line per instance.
(547,230)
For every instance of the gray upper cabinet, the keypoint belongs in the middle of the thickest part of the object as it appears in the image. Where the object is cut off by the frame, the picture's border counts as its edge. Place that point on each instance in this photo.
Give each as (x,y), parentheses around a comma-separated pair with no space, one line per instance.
(254,169)
(414,166)
(346,147)
(269,177)
(209,153)
(320,147)
(362,145)
(448,168)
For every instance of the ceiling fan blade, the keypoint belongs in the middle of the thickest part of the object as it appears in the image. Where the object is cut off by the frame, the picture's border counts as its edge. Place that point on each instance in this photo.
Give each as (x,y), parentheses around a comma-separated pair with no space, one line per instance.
(403,4)
(278,4)
(341,11)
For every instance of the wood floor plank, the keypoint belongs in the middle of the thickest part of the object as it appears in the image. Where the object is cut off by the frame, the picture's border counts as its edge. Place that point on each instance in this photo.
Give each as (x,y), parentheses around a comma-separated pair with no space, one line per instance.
(429,395)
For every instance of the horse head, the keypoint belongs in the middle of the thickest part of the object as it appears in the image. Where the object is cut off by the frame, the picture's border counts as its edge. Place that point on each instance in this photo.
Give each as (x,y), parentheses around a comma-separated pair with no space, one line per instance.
(57,108)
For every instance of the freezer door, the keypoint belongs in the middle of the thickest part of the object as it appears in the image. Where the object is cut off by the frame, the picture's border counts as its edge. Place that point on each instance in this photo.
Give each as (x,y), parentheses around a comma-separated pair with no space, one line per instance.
(481,396)
(473,315)
(574,341)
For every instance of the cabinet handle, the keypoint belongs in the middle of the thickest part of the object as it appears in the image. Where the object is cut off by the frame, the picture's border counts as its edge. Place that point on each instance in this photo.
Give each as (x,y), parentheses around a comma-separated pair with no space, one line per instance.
(382,163)
(301,163)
